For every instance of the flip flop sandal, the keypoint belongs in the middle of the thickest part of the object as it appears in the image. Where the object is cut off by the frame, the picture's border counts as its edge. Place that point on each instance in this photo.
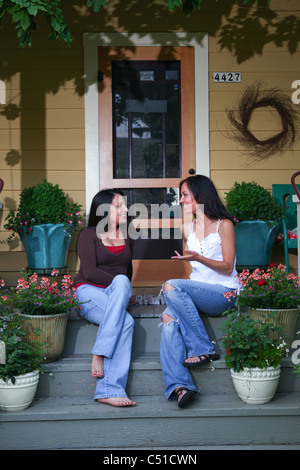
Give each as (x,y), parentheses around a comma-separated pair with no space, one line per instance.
(186,397)
(208,358)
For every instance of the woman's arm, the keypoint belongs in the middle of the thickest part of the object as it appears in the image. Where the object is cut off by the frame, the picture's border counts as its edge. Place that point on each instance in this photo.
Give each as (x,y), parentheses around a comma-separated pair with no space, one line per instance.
(226,232)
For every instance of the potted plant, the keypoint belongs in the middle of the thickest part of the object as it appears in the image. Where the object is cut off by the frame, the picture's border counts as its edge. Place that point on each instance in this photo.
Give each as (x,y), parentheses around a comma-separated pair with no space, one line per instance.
(44,307)
(257,218)
(20,363)
(45,221)
(271,290)
(252,356)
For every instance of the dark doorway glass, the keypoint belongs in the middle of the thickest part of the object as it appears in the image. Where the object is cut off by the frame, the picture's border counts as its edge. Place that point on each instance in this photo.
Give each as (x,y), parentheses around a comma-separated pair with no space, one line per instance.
(146,119)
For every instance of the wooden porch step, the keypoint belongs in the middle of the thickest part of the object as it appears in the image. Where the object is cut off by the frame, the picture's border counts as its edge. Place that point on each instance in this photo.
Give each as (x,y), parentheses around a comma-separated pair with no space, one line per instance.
(65,416)
(81,334)
(71,376)
(211,420)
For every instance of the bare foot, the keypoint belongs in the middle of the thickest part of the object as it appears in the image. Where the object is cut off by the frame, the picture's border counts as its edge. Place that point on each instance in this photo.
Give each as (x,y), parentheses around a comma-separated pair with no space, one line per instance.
(97,366)
(117,401)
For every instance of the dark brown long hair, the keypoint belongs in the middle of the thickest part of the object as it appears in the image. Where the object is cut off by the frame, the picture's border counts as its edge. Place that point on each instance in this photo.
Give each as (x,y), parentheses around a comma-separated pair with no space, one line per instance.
(105,196)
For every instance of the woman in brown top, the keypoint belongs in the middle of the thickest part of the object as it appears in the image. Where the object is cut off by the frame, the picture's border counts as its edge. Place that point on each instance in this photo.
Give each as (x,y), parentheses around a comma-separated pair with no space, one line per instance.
(103,282)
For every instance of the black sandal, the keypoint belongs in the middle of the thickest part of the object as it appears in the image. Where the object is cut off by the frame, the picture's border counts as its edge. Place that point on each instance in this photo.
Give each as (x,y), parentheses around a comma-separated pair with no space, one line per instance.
(186,397)
(208,358)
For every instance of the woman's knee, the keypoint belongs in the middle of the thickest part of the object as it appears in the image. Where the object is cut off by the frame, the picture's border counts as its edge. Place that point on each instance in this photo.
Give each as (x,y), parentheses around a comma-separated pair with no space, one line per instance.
(168,287)
(122,282)
(166,318)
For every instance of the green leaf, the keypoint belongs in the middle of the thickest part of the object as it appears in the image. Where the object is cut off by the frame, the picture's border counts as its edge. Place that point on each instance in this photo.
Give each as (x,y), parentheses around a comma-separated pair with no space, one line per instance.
(32,10)
(173,4)
(96,4)
(22,18)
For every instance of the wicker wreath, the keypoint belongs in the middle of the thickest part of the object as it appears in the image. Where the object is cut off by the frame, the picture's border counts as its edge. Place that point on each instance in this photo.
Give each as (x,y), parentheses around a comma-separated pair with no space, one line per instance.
(253,98)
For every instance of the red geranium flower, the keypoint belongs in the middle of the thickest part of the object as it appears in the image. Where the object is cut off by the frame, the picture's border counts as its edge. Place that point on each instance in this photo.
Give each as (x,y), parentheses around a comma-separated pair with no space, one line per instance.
(262,282)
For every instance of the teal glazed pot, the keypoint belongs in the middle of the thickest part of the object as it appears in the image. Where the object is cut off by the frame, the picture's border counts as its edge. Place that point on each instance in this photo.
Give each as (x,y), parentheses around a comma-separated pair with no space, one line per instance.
(254,240)
(46,246)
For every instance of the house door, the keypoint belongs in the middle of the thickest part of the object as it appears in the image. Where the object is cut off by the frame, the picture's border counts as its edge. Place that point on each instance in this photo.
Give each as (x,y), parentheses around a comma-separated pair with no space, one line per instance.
(147,146)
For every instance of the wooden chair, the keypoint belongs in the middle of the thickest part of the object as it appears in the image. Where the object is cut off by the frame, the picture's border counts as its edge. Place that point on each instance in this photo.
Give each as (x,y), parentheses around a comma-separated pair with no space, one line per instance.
(283,194)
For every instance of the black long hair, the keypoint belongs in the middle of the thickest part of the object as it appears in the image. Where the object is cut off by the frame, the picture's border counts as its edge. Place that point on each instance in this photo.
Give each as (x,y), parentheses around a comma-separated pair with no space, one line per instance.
(105,196)
(204,192)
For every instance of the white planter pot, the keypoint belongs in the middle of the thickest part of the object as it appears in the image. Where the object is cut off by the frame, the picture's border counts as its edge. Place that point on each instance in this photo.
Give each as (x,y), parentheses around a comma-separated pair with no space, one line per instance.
(256,386)
(18,396)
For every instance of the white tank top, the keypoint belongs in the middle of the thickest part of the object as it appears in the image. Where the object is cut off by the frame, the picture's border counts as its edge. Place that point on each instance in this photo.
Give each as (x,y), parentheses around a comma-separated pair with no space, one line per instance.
(210,247)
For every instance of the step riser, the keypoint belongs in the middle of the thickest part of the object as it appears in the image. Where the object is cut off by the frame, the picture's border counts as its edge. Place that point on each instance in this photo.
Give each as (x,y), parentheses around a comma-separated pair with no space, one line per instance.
(210,379)
(144,383)
(81,335)
(63,378)
(156,432)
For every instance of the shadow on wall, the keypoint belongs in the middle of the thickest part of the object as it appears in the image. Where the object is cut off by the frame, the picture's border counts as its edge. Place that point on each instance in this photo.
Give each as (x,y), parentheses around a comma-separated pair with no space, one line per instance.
(243,30)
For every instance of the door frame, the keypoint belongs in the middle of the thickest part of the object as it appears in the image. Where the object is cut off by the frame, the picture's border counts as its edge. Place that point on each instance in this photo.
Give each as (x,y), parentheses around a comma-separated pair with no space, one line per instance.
(91,42)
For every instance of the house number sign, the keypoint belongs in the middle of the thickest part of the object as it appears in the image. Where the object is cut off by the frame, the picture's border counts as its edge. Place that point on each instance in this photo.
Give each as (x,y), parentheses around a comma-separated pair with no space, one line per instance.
(227,77)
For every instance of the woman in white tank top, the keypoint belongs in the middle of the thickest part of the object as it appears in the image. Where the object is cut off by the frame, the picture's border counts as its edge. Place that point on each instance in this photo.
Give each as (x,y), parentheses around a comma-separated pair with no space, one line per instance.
(211,253)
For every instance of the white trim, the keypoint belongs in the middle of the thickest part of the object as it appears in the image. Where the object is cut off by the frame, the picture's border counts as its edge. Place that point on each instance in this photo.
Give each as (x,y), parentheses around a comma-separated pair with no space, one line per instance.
(91,42)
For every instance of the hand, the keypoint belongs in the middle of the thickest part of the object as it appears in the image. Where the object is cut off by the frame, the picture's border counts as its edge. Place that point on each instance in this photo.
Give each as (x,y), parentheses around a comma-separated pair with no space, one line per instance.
(189,256)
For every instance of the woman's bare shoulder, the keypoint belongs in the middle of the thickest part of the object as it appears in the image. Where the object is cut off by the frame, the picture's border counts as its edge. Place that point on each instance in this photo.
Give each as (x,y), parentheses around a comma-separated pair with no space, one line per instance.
(226,226)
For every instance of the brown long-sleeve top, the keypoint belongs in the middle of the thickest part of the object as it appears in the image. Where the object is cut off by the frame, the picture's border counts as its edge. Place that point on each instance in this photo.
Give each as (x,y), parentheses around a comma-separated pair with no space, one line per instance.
(98,265)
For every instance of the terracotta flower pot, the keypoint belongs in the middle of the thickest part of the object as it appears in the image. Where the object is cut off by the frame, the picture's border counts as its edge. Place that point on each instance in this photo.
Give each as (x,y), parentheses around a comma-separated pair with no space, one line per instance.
(284,318)
(51,329)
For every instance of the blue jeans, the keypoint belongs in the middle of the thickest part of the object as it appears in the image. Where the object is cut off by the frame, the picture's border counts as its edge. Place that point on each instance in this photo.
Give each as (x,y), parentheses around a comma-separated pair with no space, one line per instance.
(186,335)
(107,308)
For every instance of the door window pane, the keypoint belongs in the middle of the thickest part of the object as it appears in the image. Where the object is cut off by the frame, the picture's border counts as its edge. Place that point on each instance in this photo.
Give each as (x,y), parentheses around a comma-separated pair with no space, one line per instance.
(151,205)
(146,119)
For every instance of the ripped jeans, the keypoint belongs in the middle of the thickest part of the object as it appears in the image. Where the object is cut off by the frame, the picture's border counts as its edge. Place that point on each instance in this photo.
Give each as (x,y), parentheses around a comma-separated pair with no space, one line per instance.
(186,335)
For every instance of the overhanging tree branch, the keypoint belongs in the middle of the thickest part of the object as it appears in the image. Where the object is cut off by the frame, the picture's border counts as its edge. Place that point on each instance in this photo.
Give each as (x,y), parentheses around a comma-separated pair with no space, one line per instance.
(24,12)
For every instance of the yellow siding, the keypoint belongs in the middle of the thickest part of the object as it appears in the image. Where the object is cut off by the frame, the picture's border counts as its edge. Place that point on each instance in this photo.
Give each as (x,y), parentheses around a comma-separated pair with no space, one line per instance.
(44,136)
(274,67)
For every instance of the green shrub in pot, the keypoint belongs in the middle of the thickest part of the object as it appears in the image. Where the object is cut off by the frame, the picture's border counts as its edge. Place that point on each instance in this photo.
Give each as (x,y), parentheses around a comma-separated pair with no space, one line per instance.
(257,218)
(45,203)
(250,201)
